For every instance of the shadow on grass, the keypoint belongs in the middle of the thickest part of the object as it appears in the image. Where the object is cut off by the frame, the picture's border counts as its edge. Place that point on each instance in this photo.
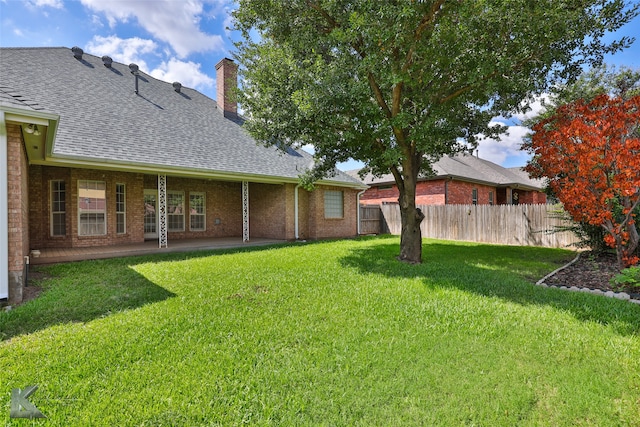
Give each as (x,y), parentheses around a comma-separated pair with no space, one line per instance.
(86,290)
(505,272)
(80,292)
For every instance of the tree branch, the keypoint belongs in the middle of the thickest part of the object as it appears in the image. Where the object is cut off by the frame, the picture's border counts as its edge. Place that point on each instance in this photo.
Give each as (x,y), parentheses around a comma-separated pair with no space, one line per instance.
(426,21)
(332,22)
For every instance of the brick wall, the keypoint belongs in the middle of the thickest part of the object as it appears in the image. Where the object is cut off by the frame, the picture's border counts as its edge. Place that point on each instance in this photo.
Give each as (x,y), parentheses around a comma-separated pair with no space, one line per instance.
(380,194)
(18,214)
(461,193)
(223,212)
(133,201)
(303,214)
(271,209)
(427,193)
(435,192)
(40,178)
(267,211)
(532,197)
(324,228)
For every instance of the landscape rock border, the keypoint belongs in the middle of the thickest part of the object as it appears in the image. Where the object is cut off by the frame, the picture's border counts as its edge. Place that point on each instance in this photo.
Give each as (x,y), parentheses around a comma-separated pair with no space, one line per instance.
(618,295)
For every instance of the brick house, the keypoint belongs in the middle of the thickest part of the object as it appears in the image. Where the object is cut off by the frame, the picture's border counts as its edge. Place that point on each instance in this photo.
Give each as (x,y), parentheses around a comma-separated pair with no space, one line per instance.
(99,153)
(460,179)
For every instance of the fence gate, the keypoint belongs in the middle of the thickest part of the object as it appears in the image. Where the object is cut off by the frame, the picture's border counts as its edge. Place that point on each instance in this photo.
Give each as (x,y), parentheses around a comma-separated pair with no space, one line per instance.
(370,219)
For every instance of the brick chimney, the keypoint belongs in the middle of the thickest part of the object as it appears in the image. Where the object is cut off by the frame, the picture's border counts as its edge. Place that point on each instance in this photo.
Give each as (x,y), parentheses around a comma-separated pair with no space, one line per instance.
(227,82)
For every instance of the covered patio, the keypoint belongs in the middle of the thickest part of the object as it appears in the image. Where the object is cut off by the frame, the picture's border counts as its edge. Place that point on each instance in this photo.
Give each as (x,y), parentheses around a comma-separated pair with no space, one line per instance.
(56,255)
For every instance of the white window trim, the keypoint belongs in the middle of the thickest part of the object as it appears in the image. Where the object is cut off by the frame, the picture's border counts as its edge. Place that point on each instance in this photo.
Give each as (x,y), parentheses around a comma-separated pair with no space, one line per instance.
(124,205)
(203,214)
(175,230)
(52,212)
(105,208)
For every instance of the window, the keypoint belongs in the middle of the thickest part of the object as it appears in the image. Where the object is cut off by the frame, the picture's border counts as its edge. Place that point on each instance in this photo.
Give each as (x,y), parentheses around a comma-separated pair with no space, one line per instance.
(175,211)
(491,197)
(92,204)
(197,205)
(474,196)
(121,209)
(333,205)
(58,209)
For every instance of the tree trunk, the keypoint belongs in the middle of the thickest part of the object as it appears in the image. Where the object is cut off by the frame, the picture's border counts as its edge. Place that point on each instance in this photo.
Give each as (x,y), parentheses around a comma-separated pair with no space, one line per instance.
(411,217)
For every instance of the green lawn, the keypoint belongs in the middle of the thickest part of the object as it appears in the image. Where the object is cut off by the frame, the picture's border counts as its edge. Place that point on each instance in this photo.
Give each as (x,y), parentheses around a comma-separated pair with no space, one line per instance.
(329,333)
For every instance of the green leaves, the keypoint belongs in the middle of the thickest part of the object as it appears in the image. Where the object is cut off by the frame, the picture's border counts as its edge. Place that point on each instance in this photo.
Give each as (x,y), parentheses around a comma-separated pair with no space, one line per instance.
(399,84)
(356,79)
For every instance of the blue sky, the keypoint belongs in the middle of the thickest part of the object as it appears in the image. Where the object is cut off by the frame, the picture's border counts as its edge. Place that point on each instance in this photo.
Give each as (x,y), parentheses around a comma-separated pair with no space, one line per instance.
(182,40)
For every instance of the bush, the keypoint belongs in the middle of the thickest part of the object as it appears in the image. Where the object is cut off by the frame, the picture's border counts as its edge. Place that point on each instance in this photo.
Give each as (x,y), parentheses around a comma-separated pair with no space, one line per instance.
(629,278)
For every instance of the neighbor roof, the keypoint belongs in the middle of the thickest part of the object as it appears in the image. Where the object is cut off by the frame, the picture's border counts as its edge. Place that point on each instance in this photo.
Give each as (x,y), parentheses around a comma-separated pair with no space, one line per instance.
(466,167)
(103,121)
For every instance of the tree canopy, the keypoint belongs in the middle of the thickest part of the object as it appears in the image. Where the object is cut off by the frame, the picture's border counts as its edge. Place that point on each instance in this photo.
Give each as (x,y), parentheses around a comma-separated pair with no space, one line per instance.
(590,151)
(399,84)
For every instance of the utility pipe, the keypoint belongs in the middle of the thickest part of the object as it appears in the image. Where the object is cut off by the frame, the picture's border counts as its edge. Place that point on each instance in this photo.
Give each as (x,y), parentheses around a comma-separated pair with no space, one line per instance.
(358,207)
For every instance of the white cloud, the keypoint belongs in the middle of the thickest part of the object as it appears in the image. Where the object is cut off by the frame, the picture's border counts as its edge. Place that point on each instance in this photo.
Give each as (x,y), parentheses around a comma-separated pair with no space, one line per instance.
(175,22)
(125,51)
(498,150)
(95,20)
(536,107)
(56,4)
(134,49)
(187,73)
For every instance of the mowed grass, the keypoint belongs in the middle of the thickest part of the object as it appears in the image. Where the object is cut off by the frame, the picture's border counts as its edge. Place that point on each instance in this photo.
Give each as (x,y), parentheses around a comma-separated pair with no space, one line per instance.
(330,333)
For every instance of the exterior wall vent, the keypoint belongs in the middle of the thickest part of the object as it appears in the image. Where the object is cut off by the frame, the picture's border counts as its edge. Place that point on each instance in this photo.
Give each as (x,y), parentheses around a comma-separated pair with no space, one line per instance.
(177,86)
(107,61)
(77,52)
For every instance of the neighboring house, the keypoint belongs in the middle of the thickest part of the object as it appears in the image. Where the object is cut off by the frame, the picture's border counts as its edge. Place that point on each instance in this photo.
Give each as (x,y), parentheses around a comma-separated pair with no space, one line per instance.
(461,179)
(99,153)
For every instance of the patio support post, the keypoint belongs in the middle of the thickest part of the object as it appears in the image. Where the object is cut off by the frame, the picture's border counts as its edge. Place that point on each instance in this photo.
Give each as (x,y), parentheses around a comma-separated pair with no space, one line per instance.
(162,211)
(245,211)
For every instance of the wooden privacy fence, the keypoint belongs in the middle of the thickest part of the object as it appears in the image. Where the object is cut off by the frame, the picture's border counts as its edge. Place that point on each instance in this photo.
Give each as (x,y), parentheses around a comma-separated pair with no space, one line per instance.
(524,225)
(370,220)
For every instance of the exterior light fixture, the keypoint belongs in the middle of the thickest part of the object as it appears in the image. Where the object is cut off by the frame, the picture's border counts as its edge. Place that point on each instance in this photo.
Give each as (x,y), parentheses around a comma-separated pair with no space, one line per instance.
(31,128)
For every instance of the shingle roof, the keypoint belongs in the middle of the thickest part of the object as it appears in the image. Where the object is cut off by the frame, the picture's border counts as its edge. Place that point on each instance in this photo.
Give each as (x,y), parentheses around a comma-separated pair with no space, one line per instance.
(467,167)
(102,119)
(12,98)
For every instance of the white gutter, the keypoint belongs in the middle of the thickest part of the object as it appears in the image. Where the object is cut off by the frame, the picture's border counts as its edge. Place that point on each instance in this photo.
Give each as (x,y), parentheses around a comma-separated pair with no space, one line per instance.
(358,207)
(4,216)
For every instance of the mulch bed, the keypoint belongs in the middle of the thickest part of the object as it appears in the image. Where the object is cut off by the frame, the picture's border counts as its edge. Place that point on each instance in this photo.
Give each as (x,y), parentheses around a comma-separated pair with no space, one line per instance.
(593,271)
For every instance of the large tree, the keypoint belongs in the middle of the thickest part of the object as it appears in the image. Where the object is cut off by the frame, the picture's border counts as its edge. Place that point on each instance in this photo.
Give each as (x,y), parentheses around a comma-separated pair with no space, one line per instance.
(590,151)
(620,83)
(399,84)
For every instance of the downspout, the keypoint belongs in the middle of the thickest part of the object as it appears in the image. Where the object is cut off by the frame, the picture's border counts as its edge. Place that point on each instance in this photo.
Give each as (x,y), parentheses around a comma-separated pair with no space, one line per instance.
(358,207)
(4,215)
(295,211)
